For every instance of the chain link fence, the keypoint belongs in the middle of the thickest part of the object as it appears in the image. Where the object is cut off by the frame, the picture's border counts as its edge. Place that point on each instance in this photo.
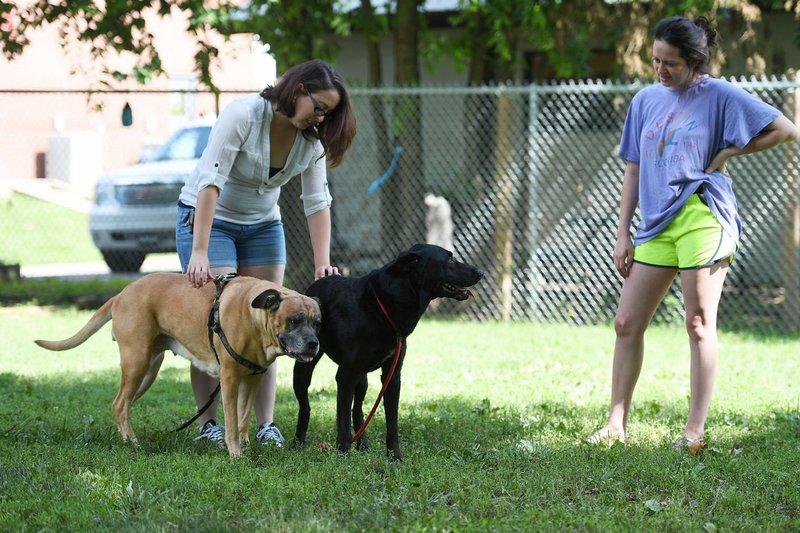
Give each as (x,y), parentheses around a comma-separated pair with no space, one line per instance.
(524,182)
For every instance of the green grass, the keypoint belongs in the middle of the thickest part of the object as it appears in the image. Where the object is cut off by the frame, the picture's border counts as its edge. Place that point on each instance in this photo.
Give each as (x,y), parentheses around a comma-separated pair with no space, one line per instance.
(35,232)
(490,422)
(84,294)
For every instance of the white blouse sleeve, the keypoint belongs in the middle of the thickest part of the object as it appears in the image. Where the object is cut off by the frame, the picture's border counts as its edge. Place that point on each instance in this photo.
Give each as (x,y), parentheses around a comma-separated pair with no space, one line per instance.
(314,181)
(224,144)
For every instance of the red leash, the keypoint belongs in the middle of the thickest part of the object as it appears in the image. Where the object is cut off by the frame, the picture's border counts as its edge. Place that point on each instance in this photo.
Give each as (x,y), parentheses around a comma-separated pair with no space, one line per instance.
(388,377)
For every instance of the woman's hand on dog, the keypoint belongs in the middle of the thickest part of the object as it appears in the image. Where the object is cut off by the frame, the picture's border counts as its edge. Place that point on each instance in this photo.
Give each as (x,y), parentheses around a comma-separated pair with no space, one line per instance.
(198,270)
(325,270)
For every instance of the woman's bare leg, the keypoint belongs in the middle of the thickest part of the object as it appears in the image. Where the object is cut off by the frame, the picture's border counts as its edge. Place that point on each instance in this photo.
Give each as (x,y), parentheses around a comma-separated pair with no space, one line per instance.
(642,292)
(702,289)
(265,399)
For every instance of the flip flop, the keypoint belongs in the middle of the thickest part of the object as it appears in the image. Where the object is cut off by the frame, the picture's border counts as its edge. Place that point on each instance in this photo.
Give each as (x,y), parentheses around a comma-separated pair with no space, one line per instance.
(691,445)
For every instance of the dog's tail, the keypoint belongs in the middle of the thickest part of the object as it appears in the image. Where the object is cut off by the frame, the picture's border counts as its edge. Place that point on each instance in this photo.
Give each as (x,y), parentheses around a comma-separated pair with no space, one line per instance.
(99,318)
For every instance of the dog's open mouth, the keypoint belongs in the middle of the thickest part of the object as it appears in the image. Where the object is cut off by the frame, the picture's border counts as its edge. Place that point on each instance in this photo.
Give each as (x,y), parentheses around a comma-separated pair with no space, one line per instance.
(301,356)
(454,291)
(298,356)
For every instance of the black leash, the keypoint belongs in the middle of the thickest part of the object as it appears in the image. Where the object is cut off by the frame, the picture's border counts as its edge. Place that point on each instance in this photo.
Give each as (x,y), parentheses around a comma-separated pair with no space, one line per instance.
(201,410)
(215,326)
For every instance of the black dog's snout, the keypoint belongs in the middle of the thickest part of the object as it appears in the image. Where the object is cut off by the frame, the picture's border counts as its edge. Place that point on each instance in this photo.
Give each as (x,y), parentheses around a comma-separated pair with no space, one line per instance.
(474,276)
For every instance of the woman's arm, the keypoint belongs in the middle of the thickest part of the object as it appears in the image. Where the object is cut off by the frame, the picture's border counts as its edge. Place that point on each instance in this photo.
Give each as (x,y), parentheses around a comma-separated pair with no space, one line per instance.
(319,228)
(777,132)
(317,207)
(623,251)
(199,270)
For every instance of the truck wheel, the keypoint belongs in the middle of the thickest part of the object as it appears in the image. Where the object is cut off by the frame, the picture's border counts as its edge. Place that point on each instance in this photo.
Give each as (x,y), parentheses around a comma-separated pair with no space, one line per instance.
(123,260)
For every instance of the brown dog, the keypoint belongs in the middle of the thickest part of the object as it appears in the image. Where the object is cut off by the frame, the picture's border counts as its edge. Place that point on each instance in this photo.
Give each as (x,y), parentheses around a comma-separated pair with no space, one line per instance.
(260,320)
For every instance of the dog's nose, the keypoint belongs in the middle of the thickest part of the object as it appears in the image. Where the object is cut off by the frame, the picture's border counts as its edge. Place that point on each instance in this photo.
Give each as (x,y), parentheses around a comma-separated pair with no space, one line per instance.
(313,344)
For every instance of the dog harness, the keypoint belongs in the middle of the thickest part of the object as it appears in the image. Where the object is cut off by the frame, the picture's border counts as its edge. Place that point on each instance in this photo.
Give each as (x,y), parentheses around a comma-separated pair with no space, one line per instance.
(215,326)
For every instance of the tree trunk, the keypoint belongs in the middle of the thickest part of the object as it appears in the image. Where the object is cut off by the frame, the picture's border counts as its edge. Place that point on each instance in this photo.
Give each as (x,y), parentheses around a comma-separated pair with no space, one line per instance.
(402,202)
(504,193)
(374,71)
(478,63)
(406,40)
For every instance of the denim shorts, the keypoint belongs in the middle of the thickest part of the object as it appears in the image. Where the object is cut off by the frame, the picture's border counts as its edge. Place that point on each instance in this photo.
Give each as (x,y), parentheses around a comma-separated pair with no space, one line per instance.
(233,245)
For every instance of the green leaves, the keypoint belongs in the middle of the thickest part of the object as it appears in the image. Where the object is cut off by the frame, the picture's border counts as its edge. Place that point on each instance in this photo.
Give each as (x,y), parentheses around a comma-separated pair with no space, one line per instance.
(295,31)
(490,37)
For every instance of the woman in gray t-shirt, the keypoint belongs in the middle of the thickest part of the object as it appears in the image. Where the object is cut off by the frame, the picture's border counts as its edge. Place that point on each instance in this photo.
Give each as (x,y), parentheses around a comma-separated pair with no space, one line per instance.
(677,139)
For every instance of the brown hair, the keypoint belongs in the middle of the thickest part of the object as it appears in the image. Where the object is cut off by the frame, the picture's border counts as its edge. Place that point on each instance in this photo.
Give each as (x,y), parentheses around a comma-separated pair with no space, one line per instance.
(692,37)
(336,132)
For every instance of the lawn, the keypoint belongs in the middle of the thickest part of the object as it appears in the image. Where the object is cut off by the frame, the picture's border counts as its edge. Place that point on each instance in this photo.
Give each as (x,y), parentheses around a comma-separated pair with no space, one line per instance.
(491,419)
(35,232)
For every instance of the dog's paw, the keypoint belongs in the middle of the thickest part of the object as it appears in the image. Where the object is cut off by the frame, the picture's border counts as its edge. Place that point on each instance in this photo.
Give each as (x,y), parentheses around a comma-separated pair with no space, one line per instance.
(394,456)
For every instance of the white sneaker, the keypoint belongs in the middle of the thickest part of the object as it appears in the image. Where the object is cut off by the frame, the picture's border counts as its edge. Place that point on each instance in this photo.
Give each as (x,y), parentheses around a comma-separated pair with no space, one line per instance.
(268,433)
(211,431)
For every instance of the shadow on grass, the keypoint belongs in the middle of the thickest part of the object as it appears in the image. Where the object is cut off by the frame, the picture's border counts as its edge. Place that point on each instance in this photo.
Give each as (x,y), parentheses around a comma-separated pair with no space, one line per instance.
(59,410)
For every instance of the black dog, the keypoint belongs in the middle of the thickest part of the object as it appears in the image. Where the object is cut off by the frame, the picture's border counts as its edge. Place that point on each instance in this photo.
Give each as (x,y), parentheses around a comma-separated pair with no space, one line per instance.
(362,320)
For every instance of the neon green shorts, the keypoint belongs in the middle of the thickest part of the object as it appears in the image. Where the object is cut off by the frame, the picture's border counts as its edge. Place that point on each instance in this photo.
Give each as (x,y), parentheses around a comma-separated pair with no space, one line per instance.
(694,239)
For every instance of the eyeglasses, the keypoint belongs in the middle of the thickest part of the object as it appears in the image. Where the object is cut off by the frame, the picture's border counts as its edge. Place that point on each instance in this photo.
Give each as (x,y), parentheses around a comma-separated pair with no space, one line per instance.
(318,110)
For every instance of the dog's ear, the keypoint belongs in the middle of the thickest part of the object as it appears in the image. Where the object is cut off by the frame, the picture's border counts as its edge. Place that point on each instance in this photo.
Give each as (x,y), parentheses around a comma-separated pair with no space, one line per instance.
(269,299)
(402,264)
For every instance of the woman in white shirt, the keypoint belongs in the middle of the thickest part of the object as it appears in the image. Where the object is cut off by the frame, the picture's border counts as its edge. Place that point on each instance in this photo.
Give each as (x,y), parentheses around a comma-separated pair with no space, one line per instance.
(228,214)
